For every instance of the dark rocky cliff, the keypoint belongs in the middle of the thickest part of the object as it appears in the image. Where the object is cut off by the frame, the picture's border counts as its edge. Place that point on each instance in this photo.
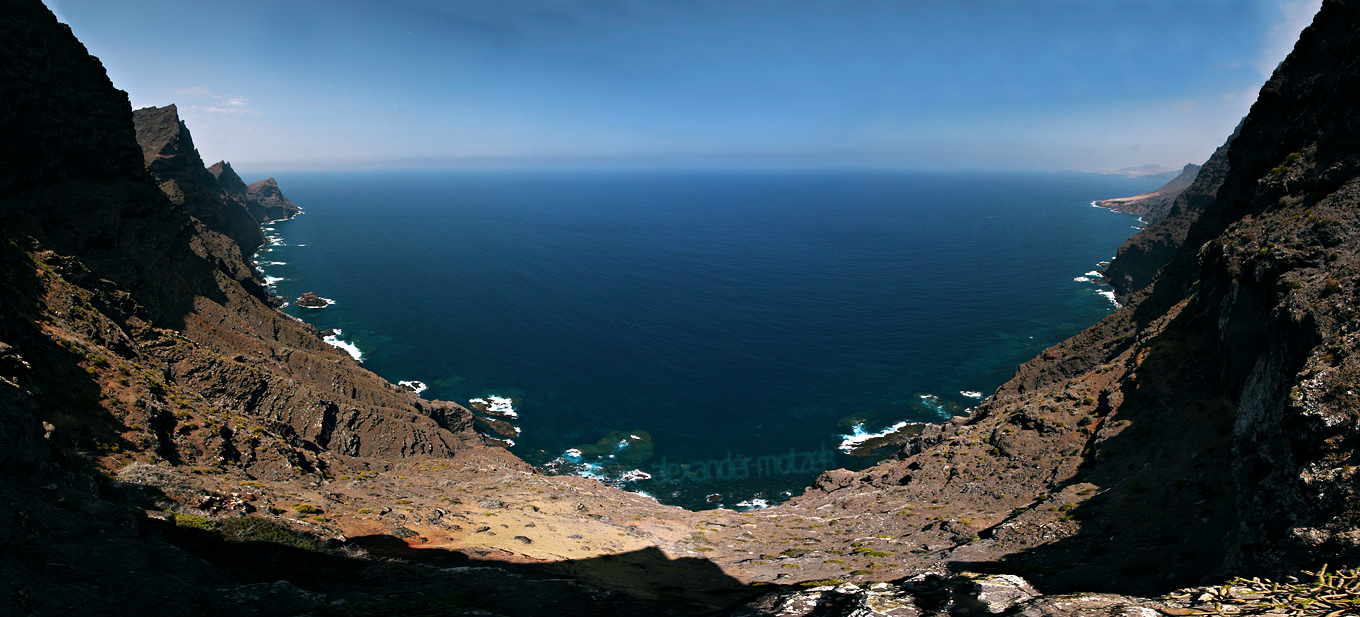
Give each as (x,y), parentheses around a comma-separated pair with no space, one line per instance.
(128,305)
(1211,426)
(273,205)
(171,157)
(87,136)
(1137,261)
(262,199)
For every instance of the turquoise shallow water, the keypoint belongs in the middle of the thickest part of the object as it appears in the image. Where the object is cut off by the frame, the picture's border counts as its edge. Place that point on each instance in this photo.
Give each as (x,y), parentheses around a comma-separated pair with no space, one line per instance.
(721,331)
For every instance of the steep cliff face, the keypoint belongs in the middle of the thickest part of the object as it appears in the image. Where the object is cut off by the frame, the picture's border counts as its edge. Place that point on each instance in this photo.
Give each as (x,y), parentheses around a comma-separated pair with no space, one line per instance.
(1210,427)
(262,199)
(169,152)
(138,327)
(1140,258)
(86,136)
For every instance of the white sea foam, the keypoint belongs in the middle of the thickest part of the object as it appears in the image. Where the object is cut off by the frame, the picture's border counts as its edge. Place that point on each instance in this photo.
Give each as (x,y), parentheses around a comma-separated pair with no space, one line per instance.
(635,475)
(1095,273)
(971,393)
(933,402)
(592,471)
(418,386)
(497,405)
(623,443)
(302,245)
(1082,279)
(1109,295)
(755,503)
(859,435)
(353,349)
(271,280)
(572,454)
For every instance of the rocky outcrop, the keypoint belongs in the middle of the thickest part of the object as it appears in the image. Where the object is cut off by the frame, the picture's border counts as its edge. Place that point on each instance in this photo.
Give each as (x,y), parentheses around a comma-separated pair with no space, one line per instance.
(1140,258)
(169,152)
(263,200)
(1153,206)
(311,300)
(271,203)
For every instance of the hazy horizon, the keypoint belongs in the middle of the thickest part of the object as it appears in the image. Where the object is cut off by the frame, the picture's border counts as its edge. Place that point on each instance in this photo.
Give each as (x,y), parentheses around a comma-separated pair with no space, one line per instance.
(1050,85)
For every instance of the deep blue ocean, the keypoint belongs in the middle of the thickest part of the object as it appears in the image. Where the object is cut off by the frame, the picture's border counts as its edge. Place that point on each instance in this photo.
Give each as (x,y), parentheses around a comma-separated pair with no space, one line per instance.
(721,331)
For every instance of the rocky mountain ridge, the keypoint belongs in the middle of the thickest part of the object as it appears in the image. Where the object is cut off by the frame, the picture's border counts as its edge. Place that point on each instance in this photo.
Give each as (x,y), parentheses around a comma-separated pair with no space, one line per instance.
(171,443)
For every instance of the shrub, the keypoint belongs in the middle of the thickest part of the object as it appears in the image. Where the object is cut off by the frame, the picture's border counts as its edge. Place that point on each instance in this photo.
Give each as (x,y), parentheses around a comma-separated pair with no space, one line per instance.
(255,529)
(304,508)
(194,521)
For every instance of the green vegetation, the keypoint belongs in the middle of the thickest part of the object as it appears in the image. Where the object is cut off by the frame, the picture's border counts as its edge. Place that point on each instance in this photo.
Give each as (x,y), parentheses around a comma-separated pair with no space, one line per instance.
(194,521)
(304,508)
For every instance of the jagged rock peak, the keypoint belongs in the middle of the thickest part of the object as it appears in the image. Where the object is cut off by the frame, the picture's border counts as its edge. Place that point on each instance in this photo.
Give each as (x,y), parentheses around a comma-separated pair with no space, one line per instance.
(270,200)
(160,132)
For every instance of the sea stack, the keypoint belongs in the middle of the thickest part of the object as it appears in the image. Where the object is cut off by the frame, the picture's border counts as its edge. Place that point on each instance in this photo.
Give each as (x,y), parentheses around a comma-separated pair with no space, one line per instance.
(311,300)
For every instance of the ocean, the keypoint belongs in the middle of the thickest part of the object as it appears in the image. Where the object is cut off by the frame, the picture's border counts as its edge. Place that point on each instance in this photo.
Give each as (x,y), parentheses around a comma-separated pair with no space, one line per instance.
(709,338)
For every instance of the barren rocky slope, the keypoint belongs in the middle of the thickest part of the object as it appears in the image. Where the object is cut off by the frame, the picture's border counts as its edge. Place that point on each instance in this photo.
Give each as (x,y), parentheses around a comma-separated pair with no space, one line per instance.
(171,443)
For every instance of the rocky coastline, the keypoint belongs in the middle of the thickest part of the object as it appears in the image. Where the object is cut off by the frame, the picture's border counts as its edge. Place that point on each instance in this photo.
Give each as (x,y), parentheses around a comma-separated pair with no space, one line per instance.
(171,443)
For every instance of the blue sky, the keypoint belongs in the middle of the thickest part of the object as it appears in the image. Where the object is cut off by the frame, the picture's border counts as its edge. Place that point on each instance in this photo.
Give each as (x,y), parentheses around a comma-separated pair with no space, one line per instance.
(1042,84)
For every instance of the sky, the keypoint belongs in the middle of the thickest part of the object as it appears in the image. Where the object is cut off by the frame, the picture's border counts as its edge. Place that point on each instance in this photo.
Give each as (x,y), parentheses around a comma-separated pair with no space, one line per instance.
(1079,85)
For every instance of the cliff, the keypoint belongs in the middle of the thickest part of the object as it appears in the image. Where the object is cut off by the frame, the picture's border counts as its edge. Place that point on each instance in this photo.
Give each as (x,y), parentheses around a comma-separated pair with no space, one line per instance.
(1137,260)
(272,204)
(1208,427)
(263,200)
(169,152)
(1153,206)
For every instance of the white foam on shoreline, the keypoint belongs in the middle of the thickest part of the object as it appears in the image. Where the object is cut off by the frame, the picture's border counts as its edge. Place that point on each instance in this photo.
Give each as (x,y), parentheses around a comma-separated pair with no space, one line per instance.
(271,280)
(859,435)
(328,302)
(1109,295)
(755,503)
(635,475)
(334,340)
(417,386)
(971,393)
(1082,279)
(498,405)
